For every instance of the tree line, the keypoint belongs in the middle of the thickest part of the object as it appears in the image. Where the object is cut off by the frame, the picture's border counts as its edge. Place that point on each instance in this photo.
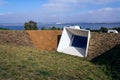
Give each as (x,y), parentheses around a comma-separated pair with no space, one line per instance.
(104,29)
(31,25)
(51,28)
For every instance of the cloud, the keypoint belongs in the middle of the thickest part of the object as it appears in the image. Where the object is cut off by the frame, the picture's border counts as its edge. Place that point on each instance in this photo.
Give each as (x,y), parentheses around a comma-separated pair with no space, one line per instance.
(60,5)
(8,13)
(104,1)
(107,14)
(2,2)
(1,14)
(11,17)
(68,11)
(100,15)
(82,1)
(68,6)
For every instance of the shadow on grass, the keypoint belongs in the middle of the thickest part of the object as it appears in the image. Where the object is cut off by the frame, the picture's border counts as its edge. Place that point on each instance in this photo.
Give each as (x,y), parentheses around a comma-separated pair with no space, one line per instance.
(42,72)
(111,60)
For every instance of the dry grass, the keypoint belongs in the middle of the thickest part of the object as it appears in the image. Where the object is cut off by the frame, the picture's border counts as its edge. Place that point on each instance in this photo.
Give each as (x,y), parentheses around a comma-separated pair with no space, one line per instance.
(15,38)
(24,63)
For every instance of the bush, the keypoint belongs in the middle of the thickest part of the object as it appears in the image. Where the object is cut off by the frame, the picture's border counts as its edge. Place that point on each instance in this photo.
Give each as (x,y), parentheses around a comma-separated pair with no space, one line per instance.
(103,29)
(31,25)
(52,28)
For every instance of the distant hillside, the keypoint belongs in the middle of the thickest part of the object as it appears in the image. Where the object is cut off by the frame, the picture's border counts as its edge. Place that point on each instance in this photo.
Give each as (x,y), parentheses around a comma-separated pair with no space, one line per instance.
(4,29)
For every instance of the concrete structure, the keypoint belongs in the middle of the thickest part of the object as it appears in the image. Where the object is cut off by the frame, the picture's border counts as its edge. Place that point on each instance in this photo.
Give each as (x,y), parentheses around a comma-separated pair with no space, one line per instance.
(112,31)
(74,27)
(74,41)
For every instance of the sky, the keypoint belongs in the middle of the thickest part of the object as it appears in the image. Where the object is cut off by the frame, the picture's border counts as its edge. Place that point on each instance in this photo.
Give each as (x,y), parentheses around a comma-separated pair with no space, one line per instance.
(64,11)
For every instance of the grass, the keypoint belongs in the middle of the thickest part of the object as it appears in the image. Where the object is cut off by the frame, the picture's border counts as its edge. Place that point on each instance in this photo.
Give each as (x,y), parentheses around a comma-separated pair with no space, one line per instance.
(24,63)
(111,60)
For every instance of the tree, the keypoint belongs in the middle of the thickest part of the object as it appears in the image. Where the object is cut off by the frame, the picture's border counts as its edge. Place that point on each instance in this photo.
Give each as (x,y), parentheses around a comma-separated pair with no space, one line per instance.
(55,28)
(35,26)
(51,28)
(43,28)
(103,29)
(116,28)
(26,26)
(31,25)
(88,29)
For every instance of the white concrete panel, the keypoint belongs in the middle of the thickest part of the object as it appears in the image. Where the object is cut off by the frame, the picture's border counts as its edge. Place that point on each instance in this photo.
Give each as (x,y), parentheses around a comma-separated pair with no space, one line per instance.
(74,27)
(66,41)
(80,32)
(74,51)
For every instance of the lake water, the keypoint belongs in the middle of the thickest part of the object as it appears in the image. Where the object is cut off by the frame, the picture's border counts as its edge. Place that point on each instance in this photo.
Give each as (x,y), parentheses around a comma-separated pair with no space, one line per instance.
(82,25)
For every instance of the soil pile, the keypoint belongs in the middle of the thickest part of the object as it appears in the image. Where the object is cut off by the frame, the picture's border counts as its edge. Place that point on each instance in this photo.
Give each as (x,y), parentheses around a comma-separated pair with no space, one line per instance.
(49,39)
(15,38)
(102,42)
(45,39)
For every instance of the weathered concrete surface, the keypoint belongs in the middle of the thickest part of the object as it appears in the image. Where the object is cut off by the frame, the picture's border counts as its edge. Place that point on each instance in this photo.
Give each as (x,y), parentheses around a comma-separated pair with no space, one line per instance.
(45,39)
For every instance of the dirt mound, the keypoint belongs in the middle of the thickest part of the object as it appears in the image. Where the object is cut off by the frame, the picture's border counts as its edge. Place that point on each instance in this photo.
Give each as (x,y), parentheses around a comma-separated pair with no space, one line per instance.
(15,38)
(102,42)
(49,39)
(45,39)
(99,42)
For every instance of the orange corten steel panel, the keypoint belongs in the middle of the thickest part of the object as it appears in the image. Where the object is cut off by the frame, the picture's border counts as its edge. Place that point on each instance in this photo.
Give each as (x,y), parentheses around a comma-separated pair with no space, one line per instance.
(45,39)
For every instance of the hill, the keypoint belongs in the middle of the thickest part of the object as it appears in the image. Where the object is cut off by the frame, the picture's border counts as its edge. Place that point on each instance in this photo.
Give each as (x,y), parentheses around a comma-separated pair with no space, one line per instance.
(20,60)
(25,63)
(100,43)
(111,59)
(4,29)
(13,37)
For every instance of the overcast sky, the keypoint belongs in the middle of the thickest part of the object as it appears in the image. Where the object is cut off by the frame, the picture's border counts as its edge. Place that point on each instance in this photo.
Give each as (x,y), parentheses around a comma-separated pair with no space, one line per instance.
(12,11)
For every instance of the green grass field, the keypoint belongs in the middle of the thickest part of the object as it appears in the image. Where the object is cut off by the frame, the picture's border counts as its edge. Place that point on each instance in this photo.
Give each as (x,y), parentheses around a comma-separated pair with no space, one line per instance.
(24,63)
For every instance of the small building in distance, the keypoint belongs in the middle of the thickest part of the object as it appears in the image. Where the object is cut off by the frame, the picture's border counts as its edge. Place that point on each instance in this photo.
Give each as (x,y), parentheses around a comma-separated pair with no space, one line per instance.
(112,31)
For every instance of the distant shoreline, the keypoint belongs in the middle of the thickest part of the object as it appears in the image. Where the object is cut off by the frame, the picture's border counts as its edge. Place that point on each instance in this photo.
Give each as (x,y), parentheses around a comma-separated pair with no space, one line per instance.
(83,25)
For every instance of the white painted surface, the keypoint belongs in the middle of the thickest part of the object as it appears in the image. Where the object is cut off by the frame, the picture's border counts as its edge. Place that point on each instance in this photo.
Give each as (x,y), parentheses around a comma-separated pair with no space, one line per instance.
(74,51)
(75,27)
(112,31)
(66,40)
